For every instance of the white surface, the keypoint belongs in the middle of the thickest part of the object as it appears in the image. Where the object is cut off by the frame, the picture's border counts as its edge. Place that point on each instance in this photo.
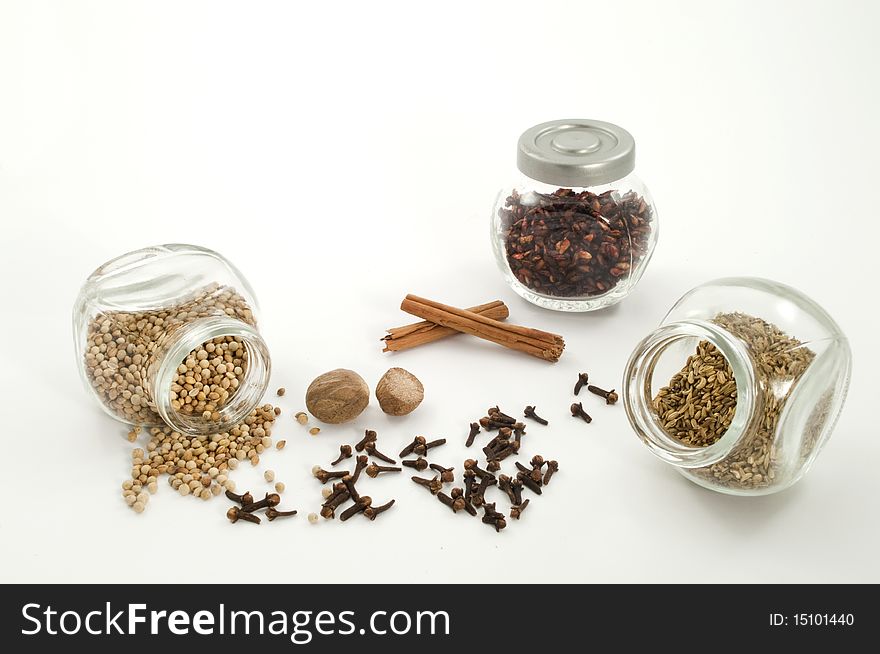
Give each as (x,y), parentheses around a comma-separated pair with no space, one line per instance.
(344,155)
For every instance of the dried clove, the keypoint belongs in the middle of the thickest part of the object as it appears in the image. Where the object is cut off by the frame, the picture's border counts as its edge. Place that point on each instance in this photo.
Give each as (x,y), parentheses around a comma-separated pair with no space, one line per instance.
(344,453)
(610,397)
(271,499)
(458,493)
(372,451)
(419,464)
(528,482)
(455,504)
(372,511)
(374,471)
(577,411)
(348,480)
(359,465)
(472,434)
(479,494)
(530,413)
(235,514)
(243,499)
(447,476)
(493,517)
(490,425)
(358,507)
(471,464)
(434,485)
(552,468)
(326,475)
(328,509)
(273,513)
(369,437)
(423,449)
(583,380)
(409,449)
(495,414)
(504,485)
(516,485)
(517,510)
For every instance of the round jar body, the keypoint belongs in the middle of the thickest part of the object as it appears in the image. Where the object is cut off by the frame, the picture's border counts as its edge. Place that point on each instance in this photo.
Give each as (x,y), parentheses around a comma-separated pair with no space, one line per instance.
(574,248)
(168,334)
(740,386)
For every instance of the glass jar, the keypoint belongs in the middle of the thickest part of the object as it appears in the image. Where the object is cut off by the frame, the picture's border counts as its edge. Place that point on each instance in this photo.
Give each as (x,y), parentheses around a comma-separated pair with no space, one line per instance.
(576,229)
(169,334)
(740,385)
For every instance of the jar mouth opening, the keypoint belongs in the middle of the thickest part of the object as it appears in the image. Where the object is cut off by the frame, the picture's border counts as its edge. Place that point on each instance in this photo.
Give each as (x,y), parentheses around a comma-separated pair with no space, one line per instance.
(669,341)
(241,402)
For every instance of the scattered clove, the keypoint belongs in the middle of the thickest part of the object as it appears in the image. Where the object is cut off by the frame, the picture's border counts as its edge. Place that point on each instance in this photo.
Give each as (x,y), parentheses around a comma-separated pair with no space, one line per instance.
(530,413)
(372,511)
(245,498)
(610,397)
(374,471)
(492,517)
(529,483)
(273,513)
(475,429)
(326,475)
(344,453)
(552,468)
(235,514)
(577,411)
(447,476)
(422,449)
(434,485)
(358,507)
(583,380)
(419,464)
(372,451)
(369,437)
(455,504)
(458,493)
(359,465)
(271,500)
(409,449)
(517,510)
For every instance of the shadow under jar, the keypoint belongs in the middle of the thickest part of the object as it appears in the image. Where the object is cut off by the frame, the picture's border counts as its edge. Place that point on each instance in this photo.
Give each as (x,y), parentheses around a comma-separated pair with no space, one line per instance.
(577,228)
(740,386)
(168,334)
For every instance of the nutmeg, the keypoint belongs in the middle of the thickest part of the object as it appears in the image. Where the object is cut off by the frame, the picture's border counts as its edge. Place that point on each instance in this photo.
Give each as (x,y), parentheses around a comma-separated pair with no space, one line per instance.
(399,392)
(337,396)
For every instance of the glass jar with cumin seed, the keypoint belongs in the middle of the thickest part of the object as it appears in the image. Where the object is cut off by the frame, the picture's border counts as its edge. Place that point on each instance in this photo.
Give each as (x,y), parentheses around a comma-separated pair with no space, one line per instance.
(577,228)
(168,334)
(740,386)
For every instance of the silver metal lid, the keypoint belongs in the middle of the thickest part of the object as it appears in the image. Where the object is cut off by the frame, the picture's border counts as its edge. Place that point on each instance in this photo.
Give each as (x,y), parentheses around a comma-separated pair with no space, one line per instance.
(576,152)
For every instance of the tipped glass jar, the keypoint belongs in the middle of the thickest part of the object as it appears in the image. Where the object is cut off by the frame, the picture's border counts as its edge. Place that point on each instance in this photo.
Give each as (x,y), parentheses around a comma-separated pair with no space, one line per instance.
(577,228)
(169,334)
(740,386)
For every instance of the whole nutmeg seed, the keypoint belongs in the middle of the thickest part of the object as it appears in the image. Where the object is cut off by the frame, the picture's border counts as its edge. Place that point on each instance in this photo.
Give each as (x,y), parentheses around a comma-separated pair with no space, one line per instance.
(337,396)
(399,392)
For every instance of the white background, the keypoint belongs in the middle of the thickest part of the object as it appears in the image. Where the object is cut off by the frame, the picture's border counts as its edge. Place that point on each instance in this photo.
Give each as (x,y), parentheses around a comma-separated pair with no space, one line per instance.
(344,154)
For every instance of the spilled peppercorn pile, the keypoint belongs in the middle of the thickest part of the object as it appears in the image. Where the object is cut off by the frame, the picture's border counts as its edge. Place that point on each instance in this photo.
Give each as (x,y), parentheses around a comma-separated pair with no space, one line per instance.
(197,465)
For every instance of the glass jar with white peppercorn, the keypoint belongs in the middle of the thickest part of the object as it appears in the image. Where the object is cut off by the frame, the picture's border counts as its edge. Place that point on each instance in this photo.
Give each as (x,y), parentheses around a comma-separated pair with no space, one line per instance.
(168,334)
(740,386)
(576,228)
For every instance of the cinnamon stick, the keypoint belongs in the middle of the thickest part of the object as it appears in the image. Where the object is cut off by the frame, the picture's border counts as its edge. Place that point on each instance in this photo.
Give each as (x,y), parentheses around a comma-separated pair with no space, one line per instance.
(419,333)
(544,345)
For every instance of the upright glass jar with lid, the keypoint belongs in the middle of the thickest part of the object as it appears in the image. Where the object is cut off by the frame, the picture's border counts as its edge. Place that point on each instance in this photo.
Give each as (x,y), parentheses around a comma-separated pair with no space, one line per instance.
(740,385)
(169,334)
(576,229)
